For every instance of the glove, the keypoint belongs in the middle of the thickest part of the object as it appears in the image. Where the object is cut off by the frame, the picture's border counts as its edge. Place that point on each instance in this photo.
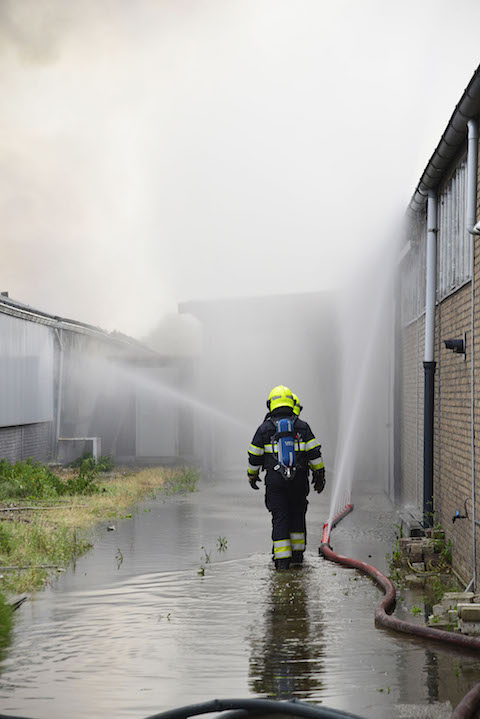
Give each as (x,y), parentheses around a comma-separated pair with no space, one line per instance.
(253,481)
(318,480)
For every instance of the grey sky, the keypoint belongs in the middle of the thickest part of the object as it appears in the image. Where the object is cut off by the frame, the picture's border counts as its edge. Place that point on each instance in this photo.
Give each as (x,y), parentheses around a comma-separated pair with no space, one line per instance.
(156,152)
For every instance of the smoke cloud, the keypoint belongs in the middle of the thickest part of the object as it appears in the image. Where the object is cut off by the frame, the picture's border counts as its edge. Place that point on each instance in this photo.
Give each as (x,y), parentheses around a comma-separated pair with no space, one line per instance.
(157,152)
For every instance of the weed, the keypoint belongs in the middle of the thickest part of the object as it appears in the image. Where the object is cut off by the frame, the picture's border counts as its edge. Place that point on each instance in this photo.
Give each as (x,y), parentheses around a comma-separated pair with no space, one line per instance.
(445,549)
(394,560)
(87,463)
(182,481)
(119,557)
(201,571)
(33,479)
(84,483)
(415,610)
(32,545)
(222,543)
(397,556)
(207,555)
(6,621)
(442,584)
(400,530)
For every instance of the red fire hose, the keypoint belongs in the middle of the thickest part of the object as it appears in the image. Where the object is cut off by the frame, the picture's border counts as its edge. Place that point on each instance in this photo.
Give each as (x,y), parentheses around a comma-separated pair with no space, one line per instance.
(471,701)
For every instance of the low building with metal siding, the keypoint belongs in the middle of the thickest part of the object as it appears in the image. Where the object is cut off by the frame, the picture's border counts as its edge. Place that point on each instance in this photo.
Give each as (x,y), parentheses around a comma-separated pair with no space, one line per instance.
(65,384)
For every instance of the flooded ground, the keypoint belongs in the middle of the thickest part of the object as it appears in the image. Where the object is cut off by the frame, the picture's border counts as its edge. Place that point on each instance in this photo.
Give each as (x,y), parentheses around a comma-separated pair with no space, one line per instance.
(160,615)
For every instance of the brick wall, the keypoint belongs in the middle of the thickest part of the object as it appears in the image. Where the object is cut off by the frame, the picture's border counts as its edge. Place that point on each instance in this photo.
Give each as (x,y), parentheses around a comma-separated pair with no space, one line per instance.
(453,418)
(452,429)
(413,341)
(29,440)
(452,422)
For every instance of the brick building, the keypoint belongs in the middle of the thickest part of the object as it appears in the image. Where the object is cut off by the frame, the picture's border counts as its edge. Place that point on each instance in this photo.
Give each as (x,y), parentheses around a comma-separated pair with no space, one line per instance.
(437,381)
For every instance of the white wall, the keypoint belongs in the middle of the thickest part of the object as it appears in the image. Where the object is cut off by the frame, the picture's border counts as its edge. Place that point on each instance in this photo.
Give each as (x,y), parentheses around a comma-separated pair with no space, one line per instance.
(26,372)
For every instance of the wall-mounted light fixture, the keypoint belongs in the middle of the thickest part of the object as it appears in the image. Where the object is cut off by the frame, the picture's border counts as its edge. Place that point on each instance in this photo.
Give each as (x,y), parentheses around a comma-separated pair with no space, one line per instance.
(458,345)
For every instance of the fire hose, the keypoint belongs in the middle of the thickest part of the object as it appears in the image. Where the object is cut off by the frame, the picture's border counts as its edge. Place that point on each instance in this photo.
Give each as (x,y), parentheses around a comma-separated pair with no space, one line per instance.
(470,703)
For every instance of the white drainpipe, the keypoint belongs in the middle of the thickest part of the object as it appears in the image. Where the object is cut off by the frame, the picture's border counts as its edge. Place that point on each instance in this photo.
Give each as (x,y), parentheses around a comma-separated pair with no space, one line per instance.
(471,218)
(58,334)
(431,276)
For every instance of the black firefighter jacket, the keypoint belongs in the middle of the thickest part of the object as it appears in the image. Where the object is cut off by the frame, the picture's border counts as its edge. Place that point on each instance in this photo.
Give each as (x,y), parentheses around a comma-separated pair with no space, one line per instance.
(263,453)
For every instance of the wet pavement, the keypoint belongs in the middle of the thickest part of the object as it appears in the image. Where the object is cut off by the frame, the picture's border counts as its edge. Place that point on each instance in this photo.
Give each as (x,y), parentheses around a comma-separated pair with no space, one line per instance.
(158,615)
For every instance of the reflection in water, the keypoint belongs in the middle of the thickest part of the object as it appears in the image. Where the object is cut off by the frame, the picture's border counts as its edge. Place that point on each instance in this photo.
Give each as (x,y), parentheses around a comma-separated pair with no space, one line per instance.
(431,666)
(286,657)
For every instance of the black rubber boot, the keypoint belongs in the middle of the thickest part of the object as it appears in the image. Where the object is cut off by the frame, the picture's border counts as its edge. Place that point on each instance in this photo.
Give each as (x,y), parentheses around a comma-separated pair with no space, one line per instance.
(297,558)
(282,563)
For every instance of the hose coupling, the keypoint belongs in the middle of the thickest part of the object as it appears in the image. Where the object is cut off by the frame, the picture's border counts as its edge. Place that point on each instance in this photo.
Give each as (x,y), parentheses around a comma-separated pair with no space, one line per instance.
(324,544)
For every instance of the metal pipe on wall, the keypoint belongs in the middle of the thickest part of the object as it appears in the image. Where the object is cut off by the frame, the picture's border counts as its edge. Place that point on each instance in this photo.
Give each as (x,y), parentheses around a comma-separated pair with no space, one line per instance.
(58,334)
(471,218)
(429,363)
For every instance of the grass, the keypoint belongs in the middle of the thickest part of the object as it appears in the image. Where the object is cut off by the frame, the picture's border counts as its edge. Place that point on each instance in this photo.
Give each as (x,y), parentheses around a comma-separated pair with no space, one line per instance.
(87,462)
(222,544)
(57,536)
(6,622)
(31,479)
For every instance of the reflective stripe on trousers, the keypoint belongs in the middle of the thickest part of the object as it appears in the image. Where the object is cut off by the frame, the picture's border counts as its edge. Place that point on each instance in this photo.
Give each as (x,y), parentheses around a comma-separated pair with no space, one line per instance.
(297,540)
(282,549)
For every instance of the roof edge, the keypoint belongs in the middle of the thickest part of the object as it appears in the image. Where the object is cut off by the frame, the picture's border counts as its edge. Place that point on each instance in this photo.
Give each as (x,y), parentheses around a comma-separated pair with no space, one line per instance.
(450,143)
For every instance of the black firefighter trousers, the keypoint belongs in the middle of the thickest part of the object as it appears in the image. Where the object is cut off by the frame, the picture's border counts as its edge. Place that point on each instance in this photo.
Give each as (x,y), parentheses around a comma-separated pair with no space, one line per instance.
(286,499)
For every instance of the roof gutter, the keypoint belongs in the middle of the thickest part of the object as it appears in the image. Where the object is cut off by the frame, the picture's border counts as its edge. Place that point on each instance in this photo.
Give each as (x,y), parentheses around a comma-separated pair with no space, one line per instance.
(450,143)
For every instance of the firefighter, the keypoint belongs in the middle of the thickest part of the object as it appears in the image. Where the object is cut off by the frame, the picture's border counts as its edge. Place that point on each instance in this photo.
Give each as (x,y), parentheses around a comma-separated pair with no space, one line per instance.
(286,498)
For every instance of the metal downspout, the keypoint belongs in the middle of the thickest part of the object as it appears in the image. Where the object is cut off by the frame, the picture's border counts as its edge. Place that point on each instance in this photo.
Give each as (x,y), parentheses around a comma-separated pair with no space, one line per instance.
(429,363)
(58,334)
(471,218)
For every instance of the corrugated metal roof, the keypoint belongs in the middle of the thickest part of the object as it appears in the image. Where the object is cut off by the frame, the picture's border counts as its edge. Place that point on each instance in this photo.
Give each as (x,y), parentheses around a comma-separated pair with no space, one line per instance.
(22,311)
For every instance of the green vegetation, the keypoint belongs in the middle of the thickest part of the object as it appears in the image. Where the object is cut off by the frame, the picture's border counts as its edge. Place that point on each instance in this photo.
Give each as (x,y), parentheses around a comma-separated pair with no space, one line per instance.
(431,575)
(181,481)
(222,544)
(396,558)
(30,550)
(6,621)
(440,585)
(444,548)
(87,463)
(36,540)
(33,479)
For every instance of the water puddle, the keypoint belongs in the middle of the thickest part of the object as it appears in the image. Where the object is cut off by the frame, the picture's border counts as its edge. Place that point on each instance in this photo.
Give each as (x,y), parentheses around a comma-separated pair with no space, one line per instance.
(145,622)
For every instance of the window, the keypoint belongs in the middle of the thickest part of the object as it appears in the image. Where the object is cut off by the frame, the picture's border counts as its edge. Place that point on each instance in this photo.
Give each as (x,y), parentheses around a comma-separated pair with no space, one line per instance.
(454,263)
(412,275)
